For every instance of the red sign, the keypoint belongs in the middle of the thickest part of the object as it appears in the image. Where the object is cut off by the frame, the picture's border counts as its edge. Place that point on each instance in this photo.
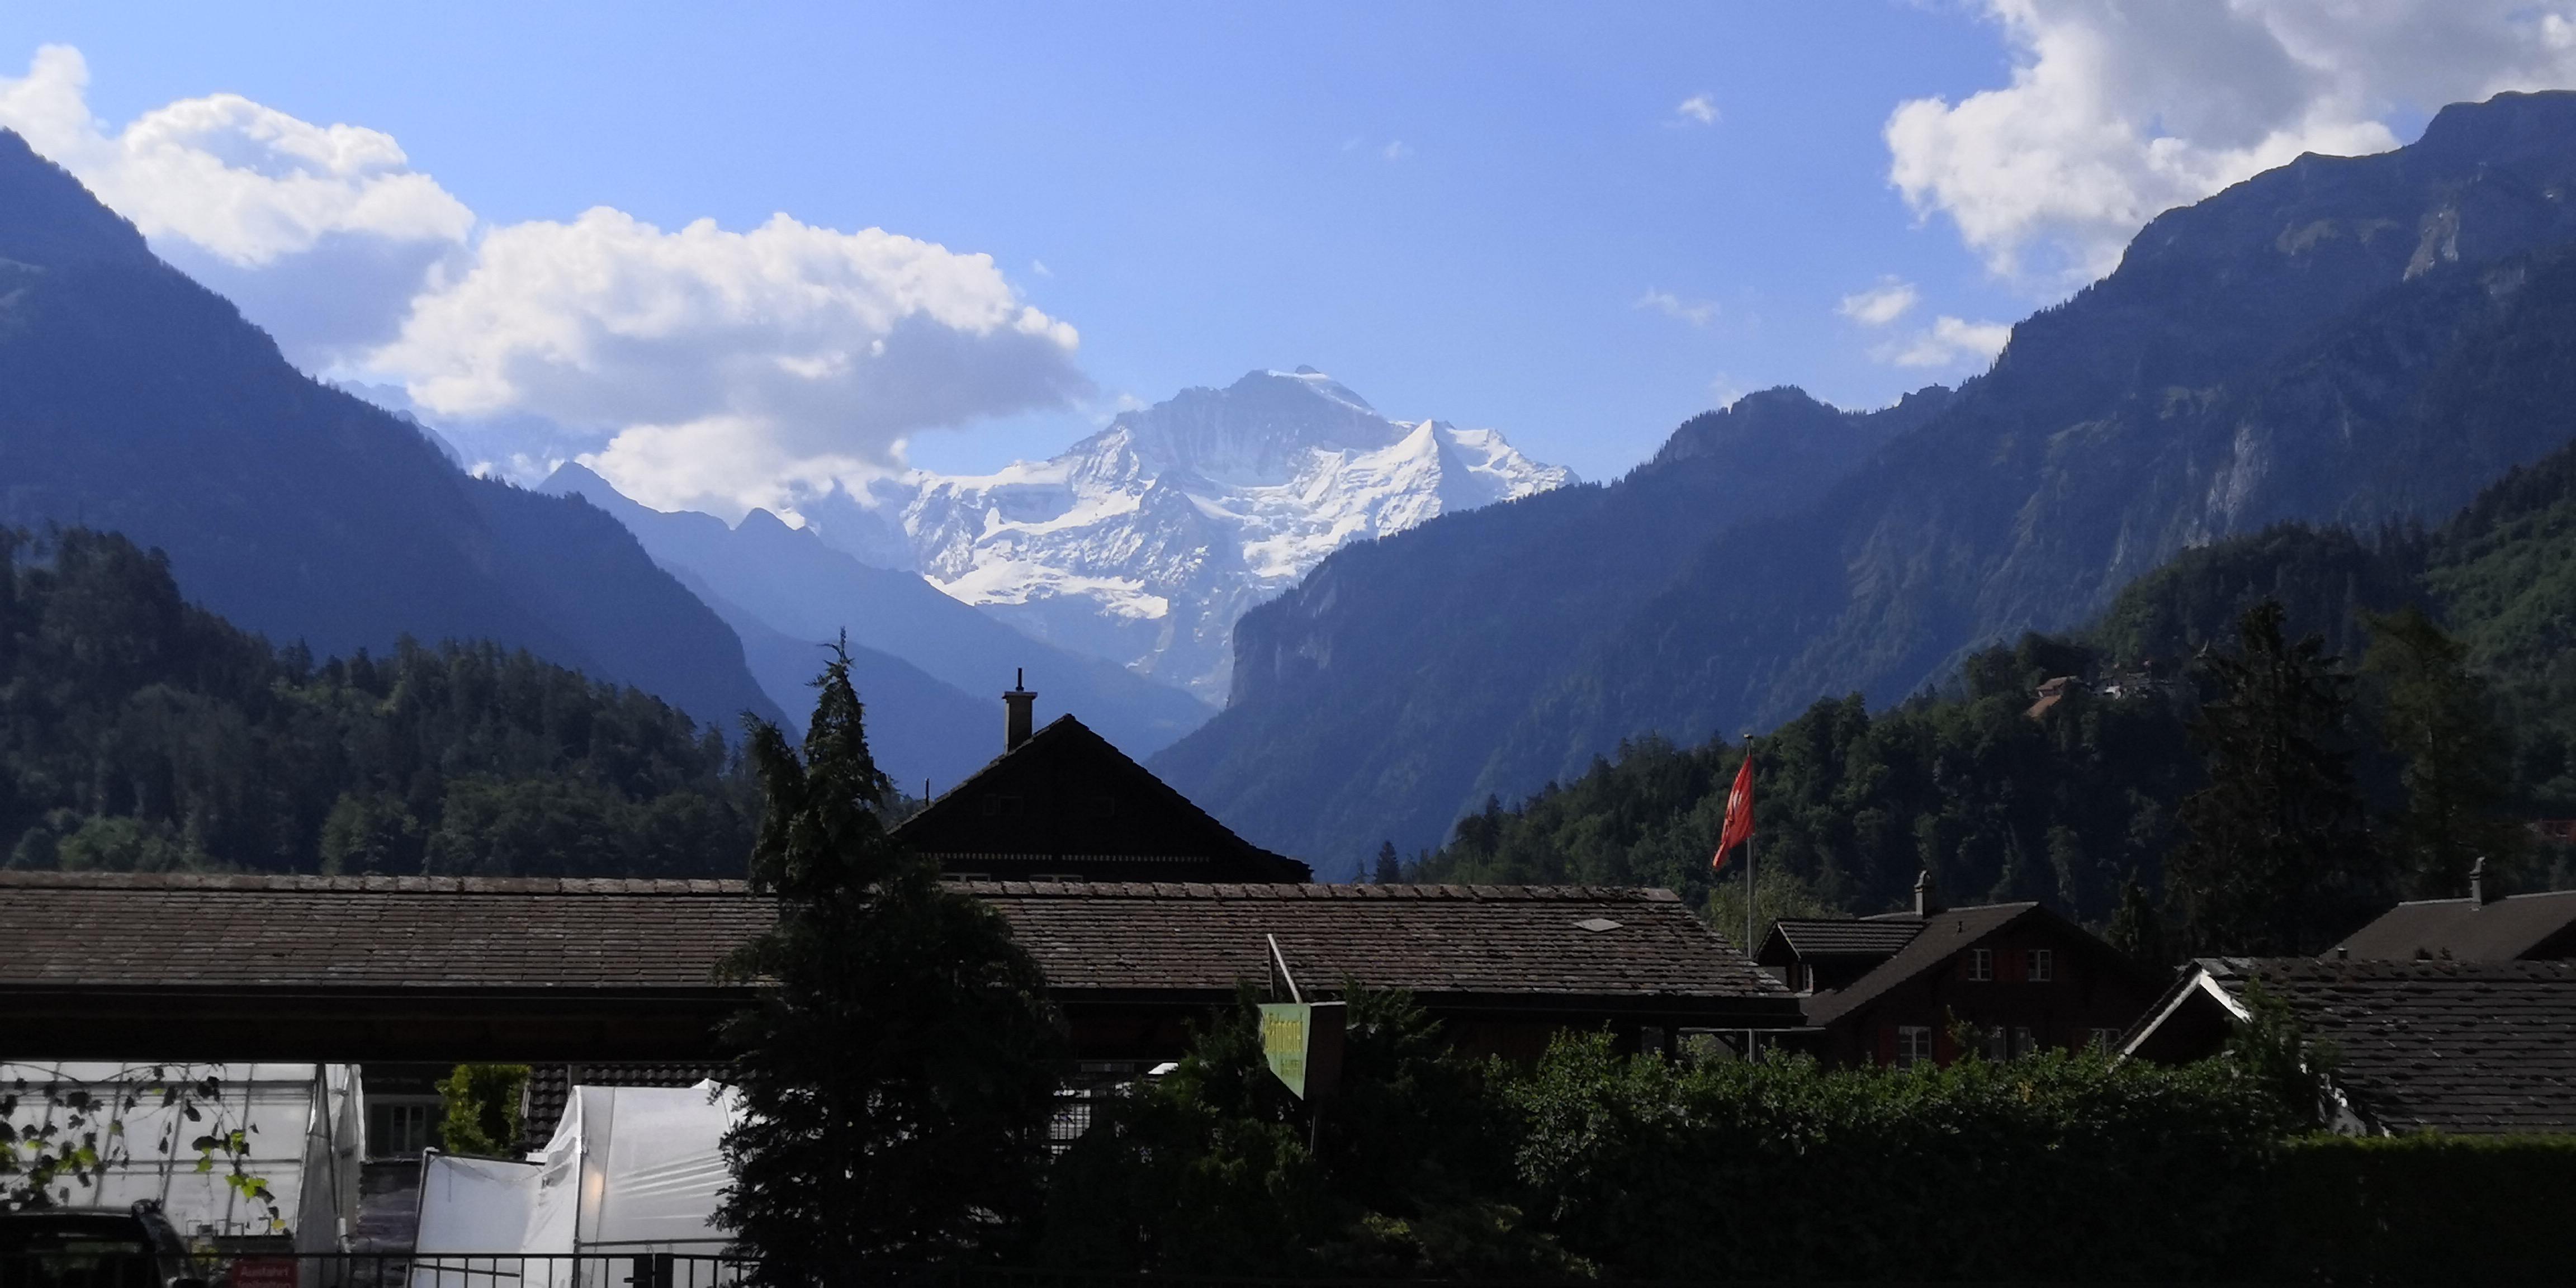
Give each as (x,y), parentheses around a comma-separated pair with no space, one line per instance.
(264,1272)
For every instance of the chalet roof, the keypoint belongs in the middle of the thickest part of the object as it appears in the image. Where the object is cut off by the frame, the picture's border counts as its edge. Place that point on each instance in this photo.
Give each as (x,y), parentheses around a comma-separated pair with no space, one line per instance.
(2500,930)
(1068,793)
(1587,941)
(1936,939)
(2454,1046)
(331,934)
(1802,938)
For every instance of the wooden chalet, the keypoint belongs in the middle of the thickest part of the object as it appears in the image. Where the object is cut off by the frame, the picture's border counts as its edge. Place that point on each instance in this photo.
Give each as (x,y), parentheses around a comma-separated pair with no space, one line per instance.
(1890,989)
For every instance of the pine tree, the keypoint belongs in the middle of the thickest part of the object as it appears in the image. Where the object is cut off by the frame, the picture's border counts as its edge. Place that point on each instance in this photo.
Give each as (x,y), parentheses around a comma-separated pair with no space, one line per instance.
(1390,867)
(897,1072)
(2458,768)
(2275,847)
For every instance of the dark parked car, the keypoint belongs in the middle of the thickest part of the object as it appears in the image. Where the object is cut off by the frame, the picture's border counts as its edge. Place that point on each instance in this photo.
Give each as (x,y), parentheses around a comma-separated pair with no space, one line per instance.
(95,1248)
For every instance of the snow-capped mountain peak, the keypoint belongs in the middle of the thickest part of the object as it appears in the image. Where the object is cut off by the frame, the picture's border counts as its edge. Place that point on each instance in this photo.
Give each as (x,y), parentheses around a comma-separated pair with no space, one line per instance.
(1146,541)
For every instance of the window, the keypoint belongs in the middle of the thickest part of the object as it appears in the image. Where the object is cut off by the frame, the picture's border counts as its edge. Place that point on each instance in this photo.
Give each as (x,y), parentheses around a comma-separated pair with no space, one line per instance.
(2043,965)
(2025,1042)
(2106,1041)
(1998,1047)
(402,1126)
(1981,963)
(1913,1045)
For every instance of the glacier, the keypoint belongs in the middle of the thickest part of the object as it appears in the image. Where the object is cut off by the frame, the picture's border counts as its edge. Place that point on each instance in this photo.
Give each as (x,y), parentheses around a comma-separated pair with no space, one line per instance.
(1143,543)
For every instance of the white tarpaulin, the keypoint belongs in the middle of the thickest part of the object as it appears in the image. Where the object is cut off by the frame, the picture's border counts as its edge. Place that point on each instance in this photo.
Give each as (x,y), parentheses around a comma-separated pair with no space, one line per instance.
(630,1171)
(302,1125)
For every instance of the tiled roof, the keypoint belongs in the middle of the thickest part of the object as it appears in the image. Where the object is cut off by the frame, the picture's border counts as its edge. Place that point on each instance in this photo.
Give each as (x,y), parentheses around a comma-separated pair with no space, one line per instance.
(1068,795)
(1589,941)
(328,933)
(1841,937)
(1939,937)
(129,930)
(2500,930)
(2472,1047)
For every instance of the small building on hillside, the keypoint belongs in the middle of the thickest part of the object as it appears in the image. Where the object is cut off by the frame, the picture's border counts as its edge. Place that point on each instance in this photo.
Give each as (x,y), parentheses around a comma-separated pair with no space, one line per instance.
(2484,927)
(1890,989)
(1062,804)
(2463,1047)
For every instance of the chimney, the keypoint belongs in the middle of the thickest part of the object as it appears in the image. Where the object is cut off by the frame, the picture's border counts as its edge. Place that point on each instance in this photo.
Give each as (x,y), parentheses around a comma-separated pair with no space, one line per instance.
(1019,708)
(2479,893)
(1927,897)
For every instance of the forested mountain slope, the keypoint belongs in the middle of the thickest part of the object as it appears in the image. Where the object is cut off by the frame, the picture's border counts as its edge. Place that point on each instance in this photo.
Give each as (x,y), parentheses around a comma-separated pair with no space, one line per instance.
(140,732)
(135,400)
(2353,340)
(2069,804)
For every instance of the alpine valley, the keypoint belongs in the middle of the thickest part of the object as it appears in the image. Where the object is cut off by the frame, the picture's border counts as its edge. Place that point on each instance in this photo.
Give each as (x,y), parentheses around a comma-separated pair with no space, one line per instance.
(2351,340)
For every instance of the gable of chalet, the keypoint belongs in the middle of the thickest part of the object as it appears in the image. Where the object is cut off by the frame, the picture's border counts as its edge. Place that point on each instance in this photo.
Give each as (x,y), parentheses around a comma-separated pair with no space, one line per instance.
(1066,804)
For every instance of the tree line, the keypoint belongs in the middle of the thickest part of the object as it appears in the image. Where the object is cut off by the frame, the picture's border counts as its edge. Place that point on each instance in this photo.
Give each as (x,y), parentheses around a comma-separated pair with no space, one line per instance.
(2251,750)
(139,732)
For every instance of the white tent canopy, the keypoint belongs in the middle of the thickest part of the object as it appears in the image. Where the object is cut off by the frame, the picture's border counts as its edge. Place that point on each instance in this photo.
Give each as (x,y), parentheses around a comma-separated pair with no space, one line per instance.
(630,1171)
(304,1125)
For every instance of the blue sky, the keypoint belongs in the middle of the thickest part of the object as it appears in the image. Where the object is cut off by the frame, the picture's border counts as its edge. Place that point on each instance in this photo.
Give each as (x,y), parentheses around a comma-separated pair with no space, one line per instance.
(1498,215)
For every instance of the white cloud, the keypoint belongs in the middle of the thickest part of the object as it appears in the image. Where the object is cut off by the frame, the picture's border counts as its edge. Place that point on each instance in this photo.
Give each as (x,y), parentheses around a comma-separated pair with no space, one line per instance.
(254,202)
(1881,304)
(1948,342)
(1698,109)
(729,369)
(2118,110)
(696,367)
(1395,150)
(1038,266)
(245,183)
(1695,312)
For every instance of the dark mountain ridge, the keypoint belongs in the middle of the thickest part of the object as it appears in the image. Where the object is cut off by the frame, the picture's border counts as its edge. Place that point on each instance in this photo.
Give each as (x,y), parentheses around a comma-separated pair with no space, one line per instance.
(133,399)
(2352,340)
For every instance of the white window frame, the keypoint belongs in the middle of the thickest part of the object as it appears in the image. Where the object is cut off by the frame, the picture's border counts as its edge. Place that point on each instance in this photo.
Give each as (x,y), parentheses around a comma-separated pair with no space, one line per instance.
(2042,965)
(1913,1045)
(1981,965)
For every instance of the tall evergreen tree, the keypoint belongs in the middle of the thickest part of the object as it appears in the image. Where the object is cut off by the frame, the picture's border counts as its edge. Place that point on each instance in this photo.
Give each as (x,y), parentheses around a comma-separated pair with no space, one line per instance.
(2275,848)
(1390,867)
(2437,715)
(897,1070)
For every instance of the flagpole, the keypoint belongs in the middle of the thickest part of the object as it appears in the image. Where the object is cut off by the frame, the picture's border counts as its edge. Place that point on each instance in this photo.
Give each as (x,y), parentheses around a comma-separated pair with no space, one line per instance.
(1749,946)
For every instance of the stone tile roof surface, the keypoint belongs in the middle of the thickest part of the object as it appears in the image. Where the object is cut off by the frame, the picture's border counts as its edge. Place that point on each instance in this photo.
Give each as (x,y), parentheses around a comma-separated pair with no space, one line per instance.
(115,929)
(123,930)
(1940,936)
(2467,1047)
(2499,930)
(1846,936)
(1574,940)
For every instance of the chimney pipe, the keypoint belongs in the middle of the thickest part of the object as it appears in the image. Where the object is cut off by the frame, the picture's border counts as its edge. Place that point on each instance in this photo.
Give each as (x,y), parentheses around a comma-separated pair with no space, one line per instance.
(1019,711)
(2479,894)
(1927,897)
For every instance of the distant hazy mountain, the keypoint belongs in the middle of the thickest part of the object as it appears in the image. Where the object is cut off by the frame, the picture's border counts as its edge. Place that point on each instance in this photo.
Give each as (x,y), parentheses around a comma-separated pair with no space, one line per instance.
(2351,339)
(930,667)
(1146,541)
(135,400)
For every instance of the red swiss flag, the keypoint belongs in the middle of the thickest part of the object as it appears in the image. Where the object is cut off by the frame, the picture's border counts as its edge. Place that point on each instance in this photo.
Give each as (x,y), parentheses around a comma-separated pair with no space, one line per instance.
(1738,827)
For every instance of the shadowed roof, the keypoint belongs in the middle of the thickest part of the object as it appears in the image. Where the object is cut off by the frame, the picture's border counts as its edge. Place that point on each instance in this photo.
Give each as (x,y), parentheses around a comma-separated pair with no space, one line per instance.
(2501,930)
(1067,795)
(1804,937)
(371,935)
(1940,936)
(2453,1046)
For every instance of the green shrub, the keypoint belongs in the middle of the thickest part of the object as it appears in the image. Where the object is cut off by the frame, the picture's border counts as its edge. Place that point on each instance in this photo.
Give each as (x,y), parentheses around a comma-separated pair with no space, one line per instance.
(482,1103)
(2426,1209)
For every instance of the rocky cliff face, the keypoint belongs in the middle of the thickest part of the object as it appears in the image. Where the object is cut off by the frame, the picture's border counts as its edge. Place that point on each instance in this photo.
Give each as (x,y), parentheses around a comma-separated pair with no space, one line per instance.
(1145,542)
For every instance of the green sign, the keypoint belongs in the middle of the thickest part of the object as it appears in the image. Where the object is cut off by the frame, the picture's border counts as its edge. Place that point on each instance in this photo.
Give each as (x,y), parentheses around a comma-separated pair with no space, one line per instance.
(1303,1043)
